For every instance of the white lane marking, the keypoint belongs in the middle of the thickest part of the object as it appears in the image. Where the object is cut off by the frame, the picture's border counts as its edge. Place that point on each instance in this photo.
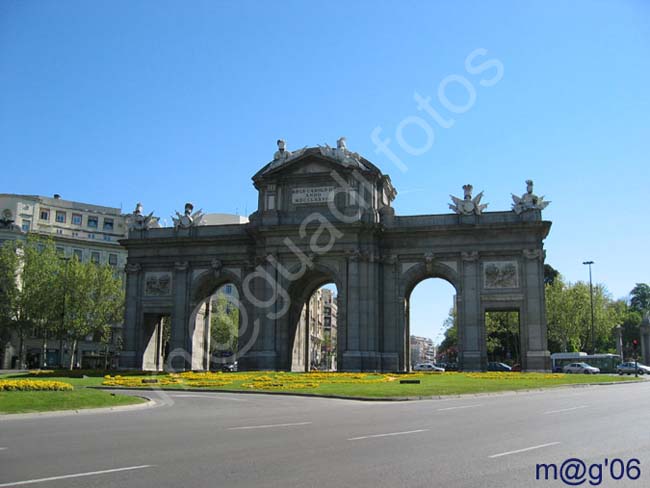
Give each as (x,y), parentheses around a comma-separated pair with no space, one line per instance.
(387,435)
(523,450)
(566,409)
(217,397)
(461,406)
(268,426)
(77,475)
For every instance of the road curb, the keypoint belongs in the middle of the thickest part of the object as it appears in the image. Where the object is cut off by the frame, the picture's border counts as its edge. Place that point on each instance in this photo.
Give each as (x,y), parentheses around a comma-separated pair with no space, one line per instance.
(368,399)
(149,403)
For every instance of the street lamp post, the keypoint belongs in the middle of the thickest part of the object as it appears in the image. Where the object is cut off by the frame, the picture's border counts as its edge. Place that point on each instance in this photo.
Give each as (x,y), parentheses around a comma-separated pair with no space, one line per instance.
(591,299)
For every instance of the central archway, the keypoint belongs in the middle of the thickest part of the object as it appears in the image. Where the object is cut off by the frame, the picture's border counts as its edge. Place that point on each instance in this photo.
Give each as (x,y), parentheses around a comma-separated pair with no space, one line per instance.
(315,321)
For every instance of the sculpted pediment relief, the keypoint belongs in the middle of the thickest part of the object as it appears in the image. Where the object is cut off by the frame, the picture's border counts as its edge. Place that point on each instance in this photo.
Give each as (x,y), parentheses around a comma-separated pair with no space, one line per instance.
(310,167)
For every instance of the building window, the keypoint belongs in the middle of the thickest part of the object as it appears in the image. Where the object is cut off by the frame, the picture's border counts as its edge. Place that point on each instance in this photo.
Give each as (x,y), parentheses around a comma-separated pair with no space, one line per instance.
(108,238)
(78,254)
(108,224)
(91,236)
(27,225)
(112,259)
(60,217)
(94,257)
(59,231)
(93,222)
(75,234)
(76,219)
(60,251)
(45,214)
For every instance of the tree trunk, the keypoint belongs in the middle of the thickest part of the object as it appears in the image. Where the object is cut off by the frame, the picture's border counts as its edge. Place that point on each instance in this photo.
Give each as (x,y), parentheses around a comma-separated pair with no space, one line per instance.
(43,364)
(22,353)
(61,361)
(73,350)
(105,357)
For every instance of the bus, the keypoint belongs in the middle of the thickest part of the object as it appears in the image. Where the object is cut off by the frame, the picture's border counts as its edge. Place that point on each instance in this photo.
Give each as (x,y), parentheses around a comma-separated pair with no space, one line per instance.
(605,362)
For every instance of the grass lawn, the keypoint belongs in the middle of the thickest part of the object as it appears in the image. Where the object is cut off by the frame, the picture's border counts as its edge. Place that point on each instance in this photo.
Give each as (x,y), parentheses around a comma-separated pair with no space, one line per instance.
(359,385)
(368,385)
(42,401)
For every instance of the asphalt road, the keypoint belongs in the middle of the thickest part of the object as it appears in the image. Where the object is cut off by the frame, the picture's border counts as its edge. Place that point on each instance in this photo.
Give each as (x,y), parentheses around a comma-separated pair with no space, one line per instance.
(223,440)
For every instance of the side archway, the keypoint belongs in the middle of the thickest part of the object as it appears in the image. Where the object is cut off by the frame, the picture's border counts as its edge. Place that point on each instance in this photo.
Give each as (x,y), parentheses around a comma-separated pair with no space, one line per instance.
(409,281)
(206,293)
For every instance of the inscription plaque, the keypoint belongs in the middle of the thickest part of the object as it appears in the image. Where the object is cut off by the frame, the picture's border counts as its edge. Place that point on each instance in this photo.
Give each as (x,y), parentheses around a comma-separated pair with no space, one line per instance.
(316,194)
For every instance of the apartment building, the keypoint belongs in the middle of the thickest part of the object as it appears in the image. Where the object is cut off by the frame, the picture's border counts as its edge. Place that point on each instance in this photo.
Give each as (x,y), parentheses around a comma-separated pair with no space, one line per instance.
(87,231)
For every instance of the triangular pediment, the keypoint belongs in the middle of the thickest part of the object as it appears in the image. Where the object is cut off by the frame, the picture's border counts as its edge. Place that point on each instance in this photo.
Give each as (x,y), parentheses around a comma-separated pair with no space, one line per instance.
(312,161)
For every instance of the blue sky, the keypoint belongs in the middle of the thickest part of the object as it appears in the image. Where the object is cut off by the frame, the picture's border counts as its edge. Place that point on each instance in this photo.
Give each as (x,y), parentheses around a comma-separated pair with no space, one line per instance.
(168,101)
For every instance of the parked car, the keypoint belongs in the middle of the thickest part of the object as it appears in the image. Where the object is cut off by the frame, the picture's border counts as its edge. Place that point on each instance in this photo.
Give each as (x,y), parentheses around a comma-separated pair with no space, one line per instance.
(628,368)
(493,366)
(229,367)
(428,367)
(580,368)
(451,366)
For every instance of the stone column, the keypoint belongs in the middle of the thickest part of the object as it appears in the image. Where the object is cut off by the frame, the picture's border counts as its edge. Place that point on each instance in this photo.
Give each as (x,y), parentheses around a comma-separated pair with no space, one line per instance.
(618,337)
(351,357)
(390,316)
(472,351)
(180,356)
(263,340)
(132,351)
(206,335)
(536,356)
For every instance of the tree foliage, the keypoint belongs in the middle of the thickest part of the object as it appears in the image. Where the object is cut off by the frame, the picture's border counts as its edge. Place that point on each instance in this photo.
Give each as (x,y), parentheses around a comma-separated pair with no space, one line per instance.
(550,274)
(37,286)
(224,324)
(568,315)
(449,346)
(640,298)
(502,331)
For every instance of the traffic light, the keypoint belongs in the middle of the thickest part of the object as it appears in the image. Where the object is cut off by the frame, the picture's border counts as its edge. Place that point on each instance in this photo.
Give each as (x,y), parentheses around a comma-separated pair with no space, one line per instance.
(635,344)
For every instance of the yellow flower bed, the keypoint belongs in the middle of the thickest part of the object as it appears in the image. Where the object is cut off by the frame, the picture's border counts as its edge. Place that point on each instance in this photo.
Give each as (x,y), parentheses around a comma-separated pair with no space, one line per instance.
(32,385)
(280,385)
(502,375)
(134,381)
(37,372)
(263,380)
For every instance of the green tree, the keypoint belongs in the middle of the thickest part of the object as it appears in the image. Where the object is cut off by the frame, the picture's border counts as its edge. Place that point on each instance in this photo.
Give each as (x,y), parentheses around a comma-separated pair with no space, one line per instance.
(9,292)
(502,331)
(568,315)
(30,286)
(449,345)
(224,325)
(550,274)
(94,301)
(640,298)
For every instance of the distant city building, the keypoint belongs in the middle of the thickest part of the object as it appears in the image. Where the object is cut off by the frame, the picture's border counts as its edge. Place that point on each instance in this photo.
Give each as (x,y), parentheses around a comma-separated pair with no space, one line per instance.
(319,315)
(330,327)
(223,219)
(87,231)
(423,350)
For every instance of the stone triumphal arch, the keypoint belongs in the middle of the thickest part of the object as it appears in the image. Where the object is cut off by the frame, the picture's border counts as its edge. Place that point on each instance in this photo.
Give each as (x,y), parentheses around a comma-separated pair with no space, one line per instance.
(325,216)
